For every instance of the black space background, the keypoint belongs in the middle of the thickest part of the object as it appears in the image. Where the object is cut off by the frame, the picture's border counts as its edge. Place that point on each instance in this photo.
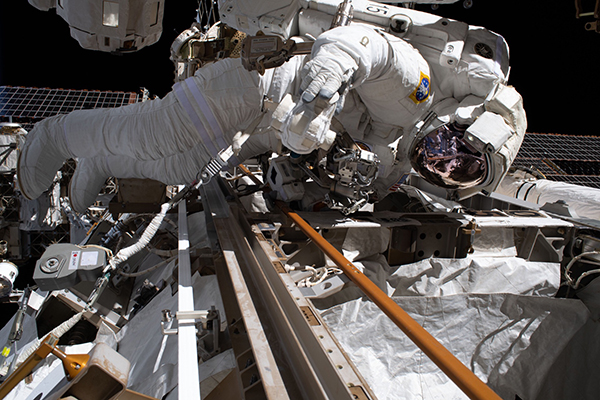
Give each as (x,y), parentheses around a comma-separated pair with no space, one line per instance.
(554,59)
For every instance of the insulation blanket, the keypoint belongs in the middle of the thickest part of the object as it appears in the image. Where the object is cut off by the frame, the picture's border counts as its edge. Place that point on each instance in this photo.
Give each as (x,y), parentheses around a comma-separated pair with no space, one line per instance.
(495,314)
(10,162)
(442,277)
(154,359)
(509,341)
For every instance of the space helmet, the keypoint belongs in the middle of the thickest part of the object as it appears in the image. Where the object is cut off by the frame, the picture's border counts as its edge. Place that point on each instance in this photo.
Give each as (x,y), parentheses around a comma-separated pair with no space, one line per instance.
(472,155)
(444,158)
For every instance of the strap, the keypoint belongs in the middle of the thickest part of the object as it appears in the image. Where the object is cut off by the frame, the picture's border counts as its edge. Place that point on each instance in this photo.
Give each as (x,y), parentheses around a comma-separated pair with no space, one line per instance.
(189,109)
(207,112)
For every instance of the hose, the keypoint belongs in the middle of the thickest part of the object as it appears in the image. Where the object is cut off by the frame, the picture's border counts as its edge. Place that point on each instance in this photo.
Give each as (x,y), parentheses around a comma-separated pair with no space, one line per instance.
(127,252)
(569,280)
(148,234)
(163,253)
(318,274)
(140,273)
(567,275)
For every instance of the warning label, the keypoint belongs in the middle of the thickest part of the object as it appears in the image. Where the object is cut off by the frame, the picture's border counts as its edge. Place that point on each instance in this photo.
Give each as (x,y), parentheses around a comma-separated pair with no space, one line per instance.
(74,260)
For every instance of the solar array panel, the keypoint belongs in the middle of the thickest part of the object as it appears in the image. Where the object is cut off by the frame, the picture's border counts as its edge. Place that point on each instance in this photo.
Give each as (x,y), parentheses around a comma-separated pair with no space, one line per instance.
(581,180)
(566,158)
(560,147)
(23,102)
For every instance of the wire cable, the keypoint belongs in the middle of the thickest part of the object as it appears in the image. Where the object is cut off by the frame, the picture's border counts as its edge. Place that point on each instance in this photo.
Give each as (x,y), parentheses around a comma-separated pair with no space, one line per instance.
(569,280)
(140,273)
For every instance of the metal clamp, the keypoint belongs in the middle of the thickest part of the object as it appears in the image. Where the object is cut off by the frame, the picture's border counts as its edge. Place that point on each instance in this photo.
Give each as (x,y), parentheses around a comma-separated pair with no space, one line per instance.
(214,166)
(203,316)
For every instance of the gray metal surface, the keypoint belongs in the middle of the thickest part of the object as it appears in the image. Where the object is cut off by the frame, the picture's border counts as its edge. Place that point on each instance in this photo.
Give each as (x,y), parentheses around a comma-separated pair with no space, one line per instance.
(305,350)
(187,368)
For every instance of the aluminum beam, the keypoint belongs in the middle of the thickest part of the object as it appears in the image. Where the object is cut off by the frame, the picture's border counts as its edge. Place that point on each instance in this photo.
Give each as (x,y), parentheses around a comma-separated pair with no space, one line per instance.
(319,367)
(187,367)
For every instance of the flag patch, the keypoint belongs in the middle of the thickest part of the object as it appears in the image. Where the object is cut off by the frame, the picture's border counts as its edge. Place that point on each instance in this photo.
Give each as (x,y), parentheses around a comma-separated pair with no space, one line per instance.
(421,93)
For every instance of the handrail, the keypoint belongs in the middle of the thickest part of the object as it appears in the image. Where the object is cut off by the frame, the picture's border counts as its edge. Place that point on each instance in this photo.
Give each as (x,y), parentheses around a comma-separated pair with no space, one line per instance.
(72,363)
(462,376)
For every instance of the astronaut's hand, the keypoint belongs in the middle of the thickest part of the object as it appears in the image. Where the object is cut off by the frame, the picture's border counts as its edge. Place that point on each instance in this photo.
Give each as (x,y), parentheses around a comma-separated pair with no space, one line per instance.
(328,72)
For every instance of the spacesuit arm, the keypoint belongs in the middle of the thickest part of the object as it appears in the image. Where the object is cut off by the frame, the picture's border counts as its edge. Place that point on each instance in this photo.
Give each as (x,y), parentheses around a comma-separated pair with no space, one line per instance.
(391,77)
(343,55)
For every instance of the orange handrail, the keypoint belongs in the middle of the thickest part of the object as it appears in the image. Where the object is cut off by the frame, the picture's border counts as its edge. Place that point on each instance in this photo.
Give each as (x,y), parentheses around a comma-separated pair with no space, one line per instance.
(462,376)
(72,363)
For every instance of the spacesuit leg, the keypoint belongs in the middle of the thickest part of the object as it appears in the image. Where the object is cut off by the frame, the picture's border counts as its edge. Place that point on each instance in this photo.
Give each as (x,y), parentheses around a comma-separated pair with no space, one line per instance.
(207,109)
(178,169)
(91,173)
(147,130)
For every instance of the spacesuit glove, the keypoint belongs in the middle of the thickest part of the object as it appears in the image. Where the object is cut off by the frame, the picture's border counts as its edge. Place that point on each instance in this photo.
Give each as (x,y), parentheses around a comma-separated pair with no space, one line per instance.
(328,72)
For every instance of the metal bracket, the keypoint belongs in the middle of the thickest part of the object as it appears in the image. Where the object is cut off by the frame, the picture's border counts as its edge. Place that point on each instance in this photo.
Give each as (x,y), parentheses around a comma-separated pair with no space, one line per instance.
(214,166)
(203,316)
(590,26)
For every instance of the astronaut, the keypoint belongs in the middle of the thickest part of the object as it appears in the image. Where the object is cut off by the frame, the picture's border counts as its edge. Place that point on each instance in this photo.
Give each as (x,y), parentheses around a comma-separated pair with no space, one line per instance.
(459,127)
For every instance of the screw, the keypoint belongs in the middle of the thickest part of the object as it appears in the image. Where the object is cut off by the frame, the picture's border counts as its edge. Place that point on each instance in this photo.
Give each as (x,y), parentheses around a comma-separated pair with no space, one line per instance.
(51,262)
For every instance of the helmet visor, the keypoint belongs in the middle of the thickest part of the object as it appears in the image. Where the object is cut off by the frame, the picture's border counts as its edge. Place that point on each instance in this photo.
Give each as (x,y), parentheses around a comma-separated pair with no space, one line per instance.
(444,159)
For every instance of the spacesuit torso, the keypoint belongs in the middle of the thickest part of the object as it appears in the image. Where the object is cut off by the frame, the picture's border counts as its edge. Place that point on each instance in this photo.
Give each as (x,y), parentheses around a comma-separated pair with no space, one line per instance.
(377,113)
(381,112)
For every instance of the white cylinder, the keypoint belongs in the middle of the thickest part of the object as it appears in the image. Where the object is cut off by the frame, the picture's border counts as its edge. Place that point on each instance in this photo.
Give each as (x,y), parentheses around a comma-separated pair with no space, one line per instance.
(585,201)
(8,274)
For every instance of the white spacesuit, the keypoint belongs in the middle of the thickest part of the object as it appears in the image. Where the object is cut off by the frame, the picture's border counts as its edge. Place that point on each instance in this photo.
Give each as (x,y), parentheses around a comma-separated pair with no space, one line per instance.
(460,127)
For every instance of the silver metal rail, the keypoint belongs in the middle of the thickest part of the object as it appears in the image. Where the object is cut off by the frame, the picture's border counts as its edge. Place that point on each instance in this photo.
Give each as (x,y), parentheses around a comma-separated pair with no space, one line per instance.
(309,362)
(259,373)
(187,367)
